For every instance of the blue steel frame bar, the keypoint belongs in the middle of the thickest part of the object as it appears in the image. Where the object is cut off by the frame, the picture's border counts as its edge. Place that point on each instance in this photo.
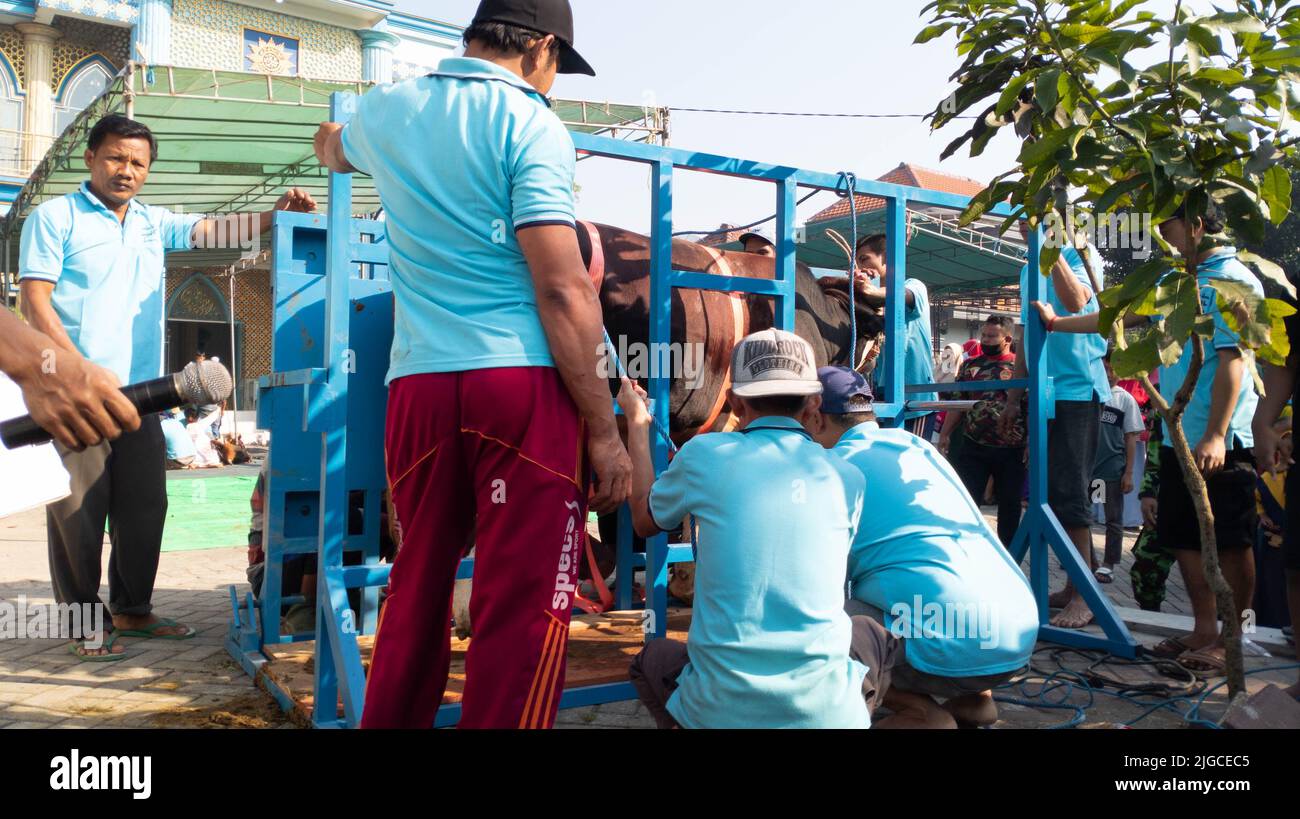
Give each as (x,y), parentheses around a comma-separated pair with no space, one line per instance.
(338,661)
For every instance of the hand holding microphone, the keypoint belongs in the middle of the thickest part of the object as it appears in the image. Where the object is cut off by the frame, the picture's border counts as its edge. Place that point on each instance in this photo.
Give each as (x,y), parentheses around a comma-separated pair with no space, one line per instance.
(82,405)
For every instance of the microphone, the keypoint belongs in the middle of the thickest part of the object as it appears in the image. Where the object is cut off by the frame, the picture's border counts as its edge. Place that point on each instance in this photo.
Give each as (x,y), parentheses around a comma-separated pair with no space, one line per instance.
(206,383)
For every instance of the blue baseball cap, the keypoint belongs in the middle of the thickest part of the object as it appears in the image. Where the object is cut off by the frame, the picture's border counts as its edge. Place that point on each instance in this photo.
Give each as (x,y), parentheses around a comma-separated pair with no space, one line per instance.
(844,391)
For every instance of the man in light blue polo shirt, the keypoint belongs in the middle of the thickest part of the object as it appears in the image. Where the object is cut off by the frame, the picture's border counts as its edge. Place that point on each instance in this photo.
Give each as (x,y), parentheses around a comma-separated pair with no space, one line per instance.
(926,564)
(1079,388)
(770,645)
(1217,424)
(494,378)
(918,349)
(91,267)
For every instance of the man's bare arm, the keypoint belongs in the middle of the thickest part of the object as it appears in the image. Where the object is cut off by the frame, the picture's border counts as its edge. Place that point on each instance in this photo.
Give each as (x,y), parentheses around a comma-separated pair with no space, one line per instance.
(77,402)
(632,400)
(1011,411)
(1072,293)
(328,145)
(1087,323)
(1211,451)
(38,306)
(570,315)
(1130,456)
(1278,384)
(875,296)
(209,232)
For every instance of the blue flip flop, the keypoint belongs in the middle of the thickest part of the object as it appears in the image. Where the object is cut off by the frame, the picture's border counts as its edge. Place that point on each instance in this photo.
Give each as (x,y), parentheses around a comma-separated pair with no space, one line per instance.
(150,631)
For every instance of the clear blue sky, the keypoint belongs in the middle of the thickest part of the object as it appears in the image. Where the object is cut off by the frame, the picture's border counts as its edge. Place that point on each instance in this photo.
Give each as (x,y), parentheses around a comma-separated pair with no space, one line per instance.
(774,55)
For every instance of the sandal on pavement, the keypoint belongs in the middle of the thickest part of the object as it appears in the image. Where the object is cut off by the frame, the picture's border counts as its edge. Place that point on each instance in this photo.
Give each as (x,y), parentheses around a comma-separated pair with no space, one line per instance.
(1171,648)
(1104,575)
(151,631)
(77,648)
(1211,660)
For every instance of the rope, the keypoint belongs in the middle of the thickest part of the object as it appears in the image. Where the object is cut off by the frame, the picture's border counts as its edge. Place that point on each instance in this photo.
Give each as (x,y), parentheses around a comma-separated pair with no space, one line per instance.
(849,182)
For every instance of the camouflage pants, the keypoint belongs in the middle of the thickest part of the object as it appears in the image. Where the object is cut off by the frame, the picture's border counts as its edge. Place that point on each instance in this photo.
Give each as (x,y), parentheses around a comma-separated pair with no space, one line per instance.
(1150,570)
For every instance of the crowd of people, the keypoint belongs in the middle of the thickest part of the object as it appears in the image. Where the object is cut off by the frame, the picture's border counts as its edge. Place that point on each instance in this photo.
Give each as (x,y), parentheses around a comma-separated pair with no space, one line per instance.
(841,567)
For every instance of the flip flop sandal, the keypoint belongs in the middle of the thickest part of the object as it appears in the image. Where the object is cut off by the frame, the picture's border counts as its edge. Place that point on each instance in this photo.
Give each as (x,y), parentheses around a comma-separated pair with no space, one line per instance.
(76,647)
(150,631)
(1170,649)
(1211,656)
(1104,575)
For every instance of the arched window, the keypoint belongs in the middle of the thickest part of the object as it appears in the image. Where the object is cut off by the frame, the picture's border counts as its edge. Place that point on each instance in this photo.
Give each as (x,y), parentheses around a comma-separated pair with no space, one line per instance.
(11,117)
(82,86)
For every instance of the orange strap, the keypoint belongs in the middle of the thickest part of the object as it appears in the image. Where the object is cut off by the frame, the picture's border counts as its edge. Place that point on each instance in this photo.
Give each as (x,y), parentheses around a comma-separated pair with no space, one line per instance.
(738,332)
(596,268)
(597,580)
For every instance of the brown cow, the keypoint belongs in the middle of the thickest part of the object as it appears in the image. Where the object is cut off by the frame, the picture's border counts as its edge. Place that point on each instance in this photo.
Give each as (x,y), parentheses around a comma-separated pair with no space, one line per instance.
(714,319)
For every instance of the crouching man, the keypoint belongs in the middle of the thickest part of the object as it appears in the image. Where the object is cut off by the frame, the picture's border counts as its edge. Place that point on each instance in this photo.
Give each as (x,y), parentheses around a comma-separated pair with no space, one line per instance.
(925,563)
(770,644)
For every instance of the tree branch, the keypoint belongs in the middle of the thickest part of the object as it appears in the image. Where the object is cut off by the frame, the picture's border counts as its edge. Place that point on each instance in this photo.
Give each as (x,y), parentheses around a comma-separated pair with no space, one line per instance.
(1067,65)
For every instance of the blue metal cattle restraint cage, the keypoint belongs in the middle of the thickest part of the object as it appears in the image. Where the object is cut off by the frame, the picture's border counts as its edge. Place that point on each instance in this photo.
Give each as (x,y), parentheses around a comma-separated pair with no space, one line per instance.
(324,404)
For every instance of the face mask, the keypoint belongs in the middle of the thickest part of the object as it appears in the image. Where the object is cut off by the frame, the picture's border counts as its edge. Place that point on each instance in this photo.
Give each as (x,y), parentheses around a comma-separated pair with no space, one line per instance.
(987,350)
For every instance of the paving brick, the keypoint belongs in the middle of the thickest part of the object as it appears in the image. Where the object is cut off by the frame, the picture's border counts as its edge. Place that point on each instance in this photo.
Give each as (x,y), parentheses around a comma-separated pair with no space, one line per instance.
(201,652)
(625,708)
(22,712)
(56,697)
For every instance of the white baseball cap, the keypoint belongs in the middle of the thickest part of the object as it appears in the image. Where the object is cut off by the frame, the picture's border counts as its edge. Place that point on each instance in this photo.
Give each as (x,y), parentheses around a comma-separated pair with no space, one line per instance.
(773,362)
(761,232)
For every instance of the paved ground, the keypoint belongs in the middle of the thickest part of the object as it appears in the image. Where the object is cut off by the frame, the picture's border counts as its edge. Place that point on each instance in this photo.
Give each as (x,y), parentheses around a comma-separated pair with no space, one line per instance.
(193,683)
(163,683)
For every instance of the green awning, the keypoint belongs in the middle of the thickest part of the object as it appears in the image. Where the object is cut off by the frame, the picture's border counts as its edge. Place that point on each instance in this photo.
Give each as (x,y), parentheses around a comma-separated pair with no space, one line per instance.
(232,141)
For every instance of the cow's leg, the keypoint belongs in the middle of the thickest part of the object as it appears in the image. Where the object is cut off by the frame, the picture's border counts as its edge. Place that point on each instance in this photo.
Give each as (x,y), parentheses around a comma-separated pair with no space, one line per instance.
(460,607)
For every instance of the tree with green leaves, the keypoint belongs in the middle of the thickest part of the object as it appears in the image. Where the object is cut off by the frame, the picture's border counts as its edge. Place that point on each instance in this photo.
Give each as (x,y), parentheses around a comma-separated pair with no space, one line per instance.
(1124,111)
(1281,245)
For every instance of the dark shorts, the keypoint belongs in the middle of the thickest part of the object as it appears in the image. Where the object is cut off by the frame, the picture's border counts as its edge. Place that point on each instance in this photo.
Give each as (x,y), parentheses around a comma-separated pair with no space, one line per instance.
(1291,539)
(881,652)
(1232,499)
(906,678)
(1071,454)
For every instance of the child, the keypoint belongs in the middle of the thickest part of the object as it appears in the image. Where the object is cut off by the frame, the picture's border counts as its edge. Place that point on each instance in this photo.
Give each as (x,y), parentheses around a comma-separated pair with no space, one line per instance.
(1117,440)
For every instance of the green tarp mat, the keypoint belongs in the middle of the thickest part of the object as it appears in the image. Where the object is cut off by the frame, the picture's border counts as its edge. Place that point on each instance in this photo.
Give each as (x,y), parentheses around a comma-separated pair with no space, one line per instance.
(207,513)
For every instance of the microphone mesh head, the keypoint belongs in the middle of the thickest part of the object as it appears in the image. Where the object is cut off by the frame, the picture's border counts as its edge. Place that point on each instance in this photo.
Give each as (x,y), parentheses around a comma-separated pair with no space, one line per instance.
(206,383)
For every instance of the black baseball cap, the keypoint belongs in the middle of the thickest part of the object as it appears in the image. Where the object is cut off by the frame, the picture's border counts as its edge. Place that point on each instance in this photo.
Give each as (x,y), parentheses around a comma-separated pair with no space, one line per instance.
(548,17)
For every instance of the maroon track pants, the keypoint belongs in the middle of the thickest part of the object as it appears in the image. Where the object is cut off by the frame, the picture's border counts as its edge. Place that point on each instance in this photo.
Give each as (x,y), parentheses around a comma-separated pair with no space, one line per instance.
(492,459)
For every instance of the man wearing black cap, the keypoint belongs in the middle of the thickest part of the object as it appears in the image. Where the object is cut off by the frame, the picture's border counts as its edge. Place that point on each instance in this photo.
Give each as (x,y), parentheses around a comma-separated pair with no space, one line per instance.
(494,383)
